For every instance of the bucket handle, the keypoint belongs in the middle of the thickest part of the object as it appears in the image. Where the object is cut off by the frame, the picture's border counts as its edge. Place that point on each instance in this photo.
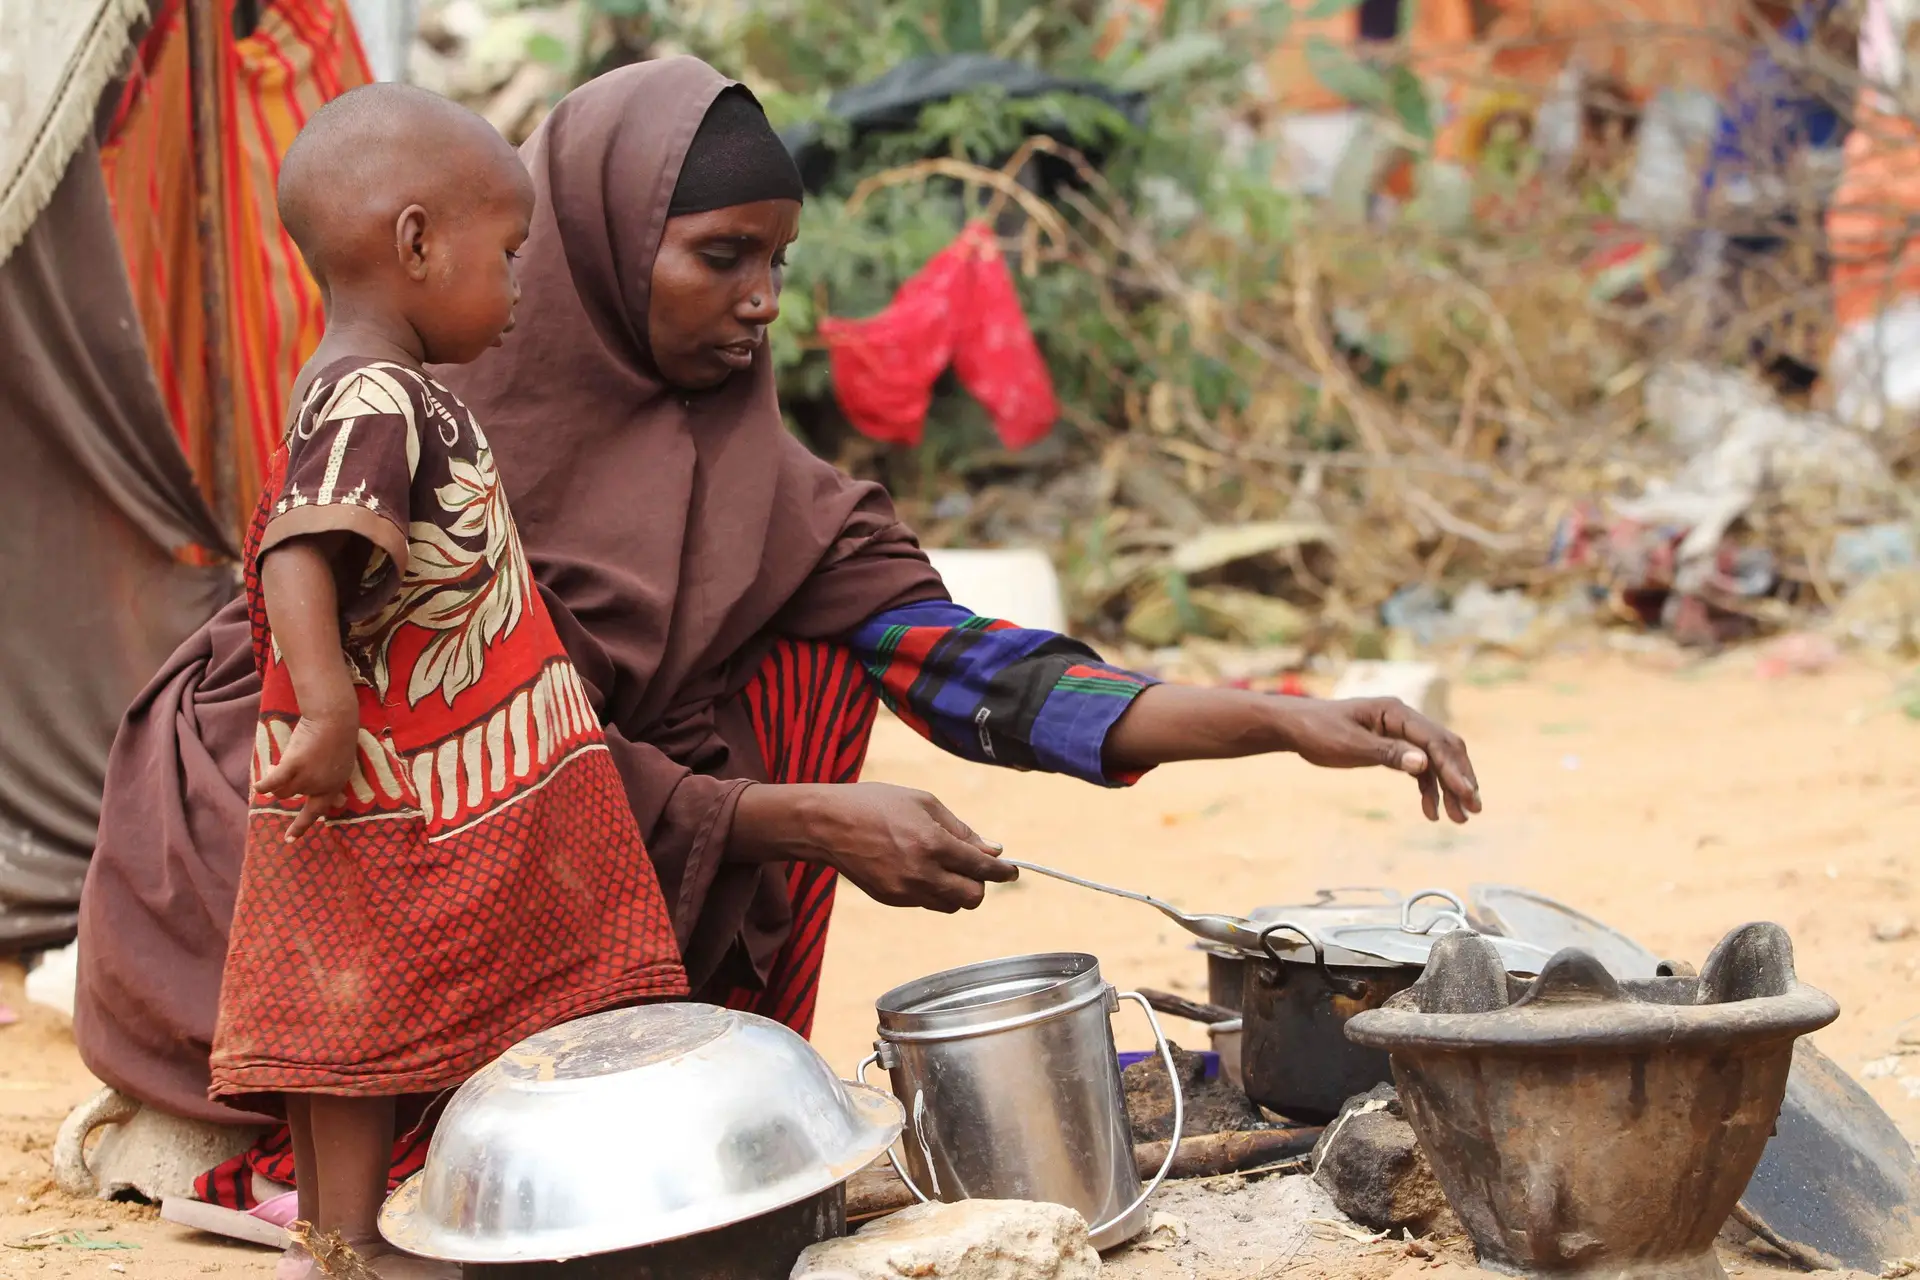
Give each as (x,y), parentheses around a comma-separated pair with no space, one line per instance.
(1173,1147)
(892,1159)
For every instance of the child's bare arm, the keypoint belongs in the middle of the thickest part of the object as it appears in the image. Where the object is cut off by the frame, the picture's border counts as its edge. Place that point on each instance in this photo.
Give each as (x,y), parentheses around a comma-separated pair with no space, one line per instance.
(303,608)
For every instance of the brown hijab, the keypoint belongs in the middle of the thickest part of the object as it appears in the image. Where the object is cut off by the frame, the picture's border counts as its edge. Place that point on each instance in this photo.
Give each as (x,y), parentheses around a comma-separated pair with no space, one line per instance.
(680,531)
(674,536)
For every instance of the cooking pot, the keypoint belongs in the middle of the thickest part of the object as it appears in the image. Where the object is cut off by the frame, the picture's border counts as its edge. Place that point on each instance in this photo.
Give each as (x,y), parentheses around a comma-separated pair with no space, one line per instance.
(1227,966)
(1347,952)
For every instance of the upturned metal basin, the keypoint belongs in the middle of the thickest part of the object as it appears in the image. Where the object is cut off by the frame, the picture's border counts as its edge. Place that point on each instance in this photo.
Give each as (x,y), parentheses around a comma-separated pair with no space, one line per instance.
(1584,1126)
(630,1128)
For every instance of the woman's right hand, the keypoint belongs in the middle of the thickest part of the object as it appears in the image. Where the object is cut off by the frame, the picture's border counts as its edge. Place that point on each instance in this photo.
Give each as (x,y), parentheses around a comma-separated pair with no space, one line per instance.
(901,846)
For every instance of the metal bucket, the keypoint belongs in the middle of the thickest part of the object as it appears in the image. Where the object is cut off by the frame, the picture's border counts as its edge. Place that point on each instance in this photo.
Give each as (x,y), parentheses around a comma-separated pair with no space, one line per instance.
(1012,1089)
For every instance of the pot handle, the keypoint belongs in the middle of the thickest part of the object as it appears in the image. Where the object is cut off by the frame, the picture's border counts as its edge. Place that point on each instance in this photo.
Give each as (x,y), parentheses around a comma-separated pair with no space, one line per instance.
(70,1171)
(1458,914)
(1179,1114)
(1341,986)
(892,1159)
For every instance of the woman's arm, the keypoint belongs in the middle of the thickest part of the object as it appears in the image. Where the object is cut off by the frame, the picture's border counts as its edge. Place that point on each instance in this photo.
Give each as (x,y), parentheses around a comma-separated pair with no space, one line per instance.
(1000,694)
(995,693)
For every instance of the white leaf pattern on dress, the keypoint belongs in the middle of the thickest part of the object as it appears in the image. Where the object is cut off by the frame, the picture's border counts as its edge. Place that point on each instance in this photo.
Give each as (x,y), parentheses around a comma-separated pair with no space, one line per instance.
(469,596)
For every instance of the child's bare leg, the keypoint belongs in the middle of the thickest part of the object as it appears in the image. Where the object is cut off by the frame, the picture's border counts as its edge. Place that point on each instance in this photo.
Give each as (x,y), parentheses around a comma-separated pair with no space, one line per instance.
(353,1143)
(296,1263)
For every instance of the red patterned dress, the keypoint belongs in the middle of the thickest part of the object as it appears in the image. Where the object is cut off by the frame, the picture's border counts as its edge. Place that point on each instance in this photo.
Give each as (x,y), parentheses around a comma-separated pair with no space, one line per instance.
(485,878)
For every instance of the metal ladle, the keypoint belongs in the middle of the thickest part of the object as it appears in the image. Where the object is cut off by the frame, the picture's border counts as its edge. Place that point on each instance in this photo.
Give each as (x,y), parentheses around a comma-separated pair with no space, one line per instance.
(1229,931)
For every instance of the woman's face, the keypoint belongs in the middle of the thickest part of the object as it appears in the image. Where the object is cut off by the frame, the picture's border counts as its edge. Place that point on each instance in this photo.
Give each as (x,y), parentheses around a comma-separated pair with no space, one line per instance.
(716,288)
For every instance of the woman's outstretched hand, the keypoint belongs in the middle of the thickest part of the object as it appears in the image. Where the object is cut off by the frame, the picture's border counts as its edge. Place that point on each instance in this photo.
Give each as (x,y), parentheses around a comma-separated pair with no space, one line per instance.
(1174,722)
(901,846)
(1359,733)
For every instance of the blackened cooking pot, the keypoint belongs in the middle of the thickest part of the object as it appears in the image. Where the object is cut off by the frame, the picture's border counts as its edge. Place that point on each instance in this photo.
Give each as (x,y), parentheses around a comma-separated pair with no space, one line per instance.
(1295,1057)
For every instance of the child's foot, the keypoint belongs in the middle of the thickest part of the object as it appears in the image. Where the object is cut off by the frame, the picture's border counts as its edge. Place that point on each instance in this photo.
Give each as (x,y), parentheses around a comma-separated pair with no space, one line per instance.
(295,1264)
(389,1263)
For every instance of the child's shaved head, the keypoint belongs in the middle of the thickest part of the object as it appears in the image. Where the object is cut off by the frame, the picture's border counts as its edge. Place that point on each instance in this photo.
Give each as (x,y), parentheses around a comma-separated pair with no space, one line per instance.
(372,152)
(409,210)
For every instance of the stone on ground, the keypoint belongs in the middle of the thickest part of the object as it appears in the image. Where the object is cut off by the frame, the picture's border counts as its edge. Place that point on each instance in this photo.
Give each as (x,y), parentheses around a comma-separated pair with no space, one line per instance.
(1371,1164)
(972,1240)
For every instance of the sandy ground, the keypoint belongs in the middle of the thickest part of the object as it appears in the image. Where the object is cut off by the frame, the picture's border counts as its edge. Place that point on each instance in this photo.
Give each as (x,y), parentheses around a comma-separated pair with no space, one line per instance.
(1673,804)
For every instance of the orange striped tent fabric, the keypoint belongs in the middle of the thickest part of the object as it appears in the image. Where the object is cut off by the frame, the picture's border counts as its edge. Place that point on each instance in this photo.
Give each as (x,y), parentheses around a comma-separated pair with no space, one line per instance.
(1876,264)
(300,54)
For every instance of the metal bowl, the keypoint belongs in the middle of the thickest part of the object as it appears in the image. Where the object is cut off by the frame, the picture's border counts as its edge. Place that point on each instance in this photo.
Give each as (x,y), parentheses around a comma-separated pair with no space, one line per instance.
(630,1128)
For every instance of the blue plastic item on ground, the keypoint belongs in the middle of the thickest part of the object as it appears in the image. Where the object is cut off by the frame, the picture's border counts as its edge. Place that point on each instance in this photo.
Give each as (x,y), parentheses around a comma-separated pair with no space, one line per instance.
(1207,1056)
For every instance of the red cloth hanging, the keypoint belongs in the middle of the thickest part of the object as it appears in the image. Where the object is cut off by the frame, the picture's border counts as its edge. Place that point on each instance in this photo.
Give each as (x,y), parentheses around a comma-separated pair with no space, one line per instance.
(960,308)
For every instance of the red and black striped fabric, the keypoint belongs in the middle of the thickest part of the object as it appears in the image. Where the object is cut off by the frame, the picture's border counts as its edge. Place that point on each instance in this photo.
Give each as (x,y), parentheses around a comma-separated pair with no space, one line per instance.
(812,708)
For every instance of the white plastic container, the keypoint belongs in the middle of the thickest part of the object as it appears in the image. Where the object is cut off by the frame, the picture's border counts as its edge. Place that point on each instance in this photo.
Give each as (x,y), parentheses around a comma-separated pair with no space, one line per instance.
(1016,585)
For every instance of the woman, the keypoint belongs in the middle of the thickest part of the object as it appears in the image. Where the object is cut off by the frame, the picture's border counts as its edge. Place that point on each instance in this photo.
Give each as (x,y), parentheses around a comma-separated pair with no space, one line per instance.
(737,607)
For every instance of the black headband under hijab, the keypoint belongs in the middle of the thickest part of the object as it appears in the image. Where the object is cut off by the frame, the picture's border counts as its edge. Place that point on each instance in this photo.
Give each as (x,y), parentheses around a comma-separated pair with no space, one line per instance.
(736,158)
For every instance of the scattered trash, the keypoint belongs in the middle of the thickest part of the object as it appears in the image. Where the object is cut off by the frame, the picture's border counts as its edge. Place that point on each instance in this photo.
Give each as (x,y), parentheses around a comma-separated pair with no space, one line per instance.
(1348,1231)
(1882,614)
(1016,584)
(1476,615)
(1893,929)
(1418,684)
(960,309)
(1484,616)
(1859,554)
(1172,610)
(1801,654)
(1222,545)
(68,1238)
(51,982)
(1881,1068)
(1164,1231)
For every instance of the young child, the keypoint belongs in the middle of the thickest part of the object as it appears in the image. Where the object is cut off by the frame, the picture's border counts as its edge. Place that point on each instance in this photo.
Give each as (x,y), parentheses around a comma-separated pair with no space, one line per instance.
(440,857)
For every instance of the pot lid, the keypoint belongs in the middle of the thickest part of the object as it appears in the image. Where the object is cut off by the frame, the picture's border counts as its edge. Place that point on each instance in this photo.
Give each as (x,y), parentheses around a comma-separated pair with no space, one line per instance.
(1536,918)
(1408,946)
(1346,905)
